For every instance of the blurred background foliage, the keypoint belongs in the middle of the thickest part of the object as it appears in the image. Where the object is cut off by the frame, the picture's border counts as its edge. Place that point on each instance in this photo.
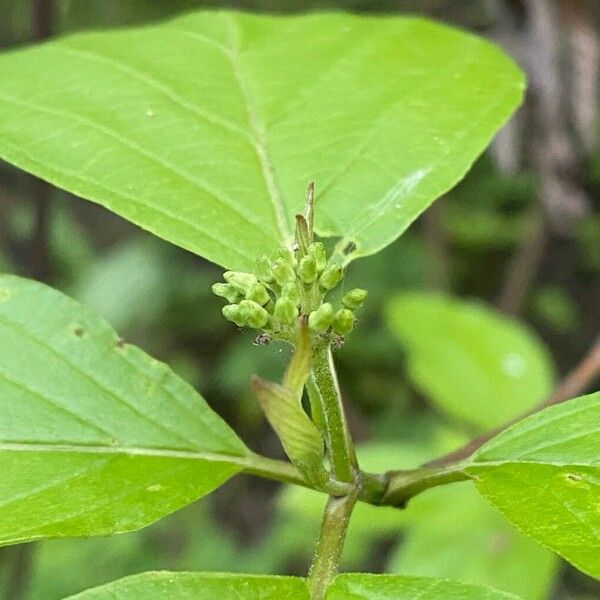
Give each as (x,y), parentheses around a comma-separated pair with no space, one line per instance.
(472,317)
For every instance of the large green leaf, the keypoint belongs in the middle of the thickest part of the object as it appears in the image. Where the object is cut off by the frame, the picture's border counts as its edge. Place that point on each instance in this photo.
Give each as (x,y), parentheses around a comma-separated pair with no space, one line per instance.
(473,363)
(453,533)
(543,474)
(198,586)
(206,129)
(96,437)
(358,586)
(225,586)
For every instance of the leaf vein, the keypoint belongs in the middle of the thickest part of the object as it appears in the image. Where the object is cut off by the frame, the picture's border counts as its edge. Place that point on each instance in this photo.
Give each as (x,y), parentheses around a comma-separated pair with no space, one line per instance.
(18,327)
(134,146)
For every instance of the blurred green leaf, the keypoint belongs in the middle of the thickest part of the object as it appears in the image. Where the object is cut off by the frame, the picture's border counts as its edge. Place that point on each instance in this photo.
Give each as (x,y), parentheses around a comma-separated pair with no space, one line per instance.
(97,437)
(543,474)
(484,230)
(360,586)
(199,586)
(488,209)
(556,308)
(471,362)
(203,130)
(128,284)
(453,533)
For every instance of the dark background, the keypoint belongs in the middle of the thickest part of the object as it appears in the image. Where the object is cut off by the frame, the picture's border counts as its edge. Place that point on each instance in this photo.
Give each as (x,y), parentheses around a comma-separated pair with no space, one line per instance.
(521,232)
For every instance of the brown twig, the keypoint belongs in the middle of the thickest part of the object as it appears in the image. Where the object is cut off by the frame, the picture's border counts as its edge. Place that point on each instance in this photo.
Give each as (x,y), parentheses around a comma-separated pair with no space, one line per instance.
(524,265)
(551,149)
(576,382)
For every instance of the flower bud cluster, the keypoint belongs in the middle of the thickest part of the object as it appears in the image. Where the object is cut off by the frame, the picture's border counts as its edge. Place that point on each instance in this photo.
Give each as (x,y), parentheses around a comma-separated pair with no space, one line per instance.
(285,286)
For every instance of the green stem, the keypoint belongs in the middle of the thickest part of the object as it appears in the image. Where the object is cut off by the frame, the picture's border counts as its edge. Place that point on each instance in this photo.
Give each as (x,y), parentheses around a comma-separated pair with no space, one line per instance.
(328,552)
(394,488)
(279,470)
(339,444)
(270,468)
(403,485)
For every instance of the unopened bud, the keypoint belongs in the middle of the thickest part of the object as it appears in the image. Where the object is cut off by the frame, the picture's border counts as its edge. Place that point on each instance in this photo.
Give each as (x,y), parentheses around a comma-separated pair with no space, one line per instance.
(227,291)
(287,256)
(354,298)
(240,281)
(290,291)
(285,311)
(258,293)
(343,321)
(253,314)
(283,271)
(307,269)
(232,313)
(317,250)
(331,277)
(263,269)
(320,319)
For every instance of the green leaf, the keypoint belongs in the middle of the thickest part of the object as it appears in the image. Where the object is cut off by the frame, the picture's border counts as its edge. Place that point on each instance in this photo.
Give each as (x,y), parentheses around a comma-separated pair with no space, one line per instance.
(198,586)
(358,586)
(453,533)
(299,436)
(543,474)
(206,130)
(96,436)
(473,363)
(351,586)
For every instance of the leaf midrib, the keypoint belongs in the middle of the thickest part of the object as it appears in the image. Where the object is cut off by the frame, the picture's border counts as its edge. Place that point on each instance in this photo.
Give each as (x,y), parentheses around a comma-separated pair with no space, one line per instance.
(258,131)
(239,460)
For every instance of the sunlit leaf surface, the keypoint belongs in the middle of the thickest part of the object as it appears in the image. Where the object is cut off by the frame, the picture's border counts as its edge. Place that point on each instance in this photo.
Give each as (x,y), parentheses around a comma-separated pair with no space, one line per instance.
(206,129)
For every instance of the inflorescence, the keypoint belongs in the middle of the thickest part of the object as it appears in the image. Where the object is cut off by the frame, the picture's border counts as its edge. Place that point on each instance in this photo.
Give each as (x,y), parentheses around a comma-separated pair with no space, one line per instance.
(286,287)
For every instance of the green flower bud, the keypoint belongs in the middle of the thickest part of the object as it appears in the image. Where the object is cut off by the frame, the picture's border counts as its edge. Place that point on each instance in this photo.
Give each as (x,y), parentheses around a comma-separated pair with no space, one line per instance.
(354,298)
(227,291)
(258,293)
(287,256)
(343,321)
(283,271)
(240,281)
(320,319)
(331,277)
(290,291)
(232,313)
(317,250)
(263,269)
(253,314)
(307,269)
(285,310)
